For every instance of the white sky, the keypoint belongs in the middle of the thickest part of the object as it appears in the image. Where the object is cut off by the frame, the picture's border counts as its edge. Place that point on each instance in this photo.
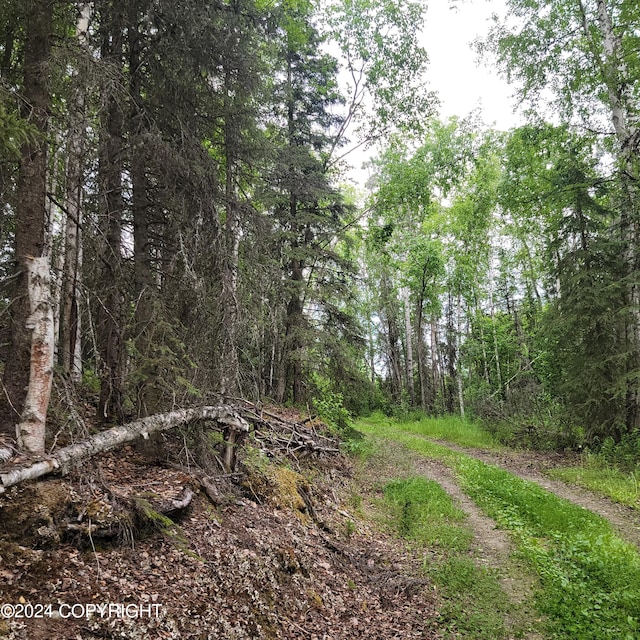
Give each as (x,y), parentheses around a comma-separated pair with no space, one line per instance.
(461,83)
(453,71)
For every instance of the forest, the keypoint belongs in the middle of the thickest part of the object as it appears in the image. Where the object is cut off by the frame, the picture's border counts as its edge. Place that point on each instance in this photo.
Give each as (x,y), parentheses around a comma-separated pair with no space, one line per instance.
(247,394)
(178,229)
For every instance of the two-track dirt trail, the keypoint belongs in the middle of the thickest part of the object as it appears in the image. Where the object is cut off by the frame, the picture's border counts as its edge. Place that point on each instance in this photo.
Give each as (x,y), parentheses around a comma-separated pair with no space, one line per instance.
(493,547)
(530,466)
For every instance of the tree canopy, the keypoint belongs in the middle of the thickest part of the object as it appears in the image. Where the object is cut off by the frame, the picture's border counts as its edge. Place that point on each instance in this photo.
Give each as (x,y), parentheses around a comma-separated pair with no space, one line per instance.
(177,172)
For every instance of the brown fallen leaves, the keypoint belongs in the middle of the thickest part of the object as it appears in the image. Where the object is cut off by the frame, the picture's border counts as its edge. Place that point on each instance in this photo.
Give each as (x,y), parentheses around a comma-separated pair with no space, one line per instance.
(250,569)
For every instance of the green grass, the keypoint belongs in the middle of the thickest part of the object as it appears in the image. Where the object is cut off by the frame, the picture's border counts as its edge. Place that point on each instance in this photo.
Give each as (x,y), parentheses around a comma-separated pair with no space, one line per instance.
(620,486)
(473,606)
(424,512)
(590,578)
(450,428)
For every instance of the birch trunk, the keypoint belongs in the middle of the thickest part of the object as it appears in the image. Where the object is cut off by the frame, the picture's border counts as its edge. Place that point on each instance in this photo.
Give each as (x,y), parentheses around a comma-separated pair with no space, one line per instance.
(427,390)
(372,351)
(390,314)
(423,372)
(436,361)
(450,349)
(69,343)
(62,460)
(31,429)
(628,136)
(409,346)
(496,352)
(458,372)
(30,212)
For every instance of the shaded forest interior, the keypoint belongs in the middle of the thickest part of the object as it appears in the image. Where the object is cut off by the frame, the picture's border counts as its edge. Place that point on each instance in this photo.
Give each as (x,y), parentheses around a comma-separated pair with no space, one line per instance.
(177,228)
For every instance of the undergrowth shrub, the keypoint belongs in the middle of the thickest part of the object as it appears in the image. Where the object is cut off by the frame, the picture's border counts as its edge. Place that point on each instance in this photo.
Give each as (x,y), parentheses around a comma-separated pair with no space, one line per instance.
(330,406)
(624,454)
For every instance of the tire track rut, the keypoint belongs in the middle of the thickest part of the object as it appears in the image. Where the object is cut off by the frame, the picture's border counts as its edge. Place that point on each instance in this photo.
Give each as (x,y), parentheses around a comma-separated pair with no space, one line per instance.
(529,466)
(492,547)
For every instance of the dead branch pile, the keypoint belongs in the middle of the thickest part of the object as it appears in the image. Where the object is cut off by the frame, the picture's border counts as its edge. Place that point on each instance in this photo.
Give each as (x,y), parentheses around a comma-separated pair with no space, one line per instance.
(275,434)
(279,436)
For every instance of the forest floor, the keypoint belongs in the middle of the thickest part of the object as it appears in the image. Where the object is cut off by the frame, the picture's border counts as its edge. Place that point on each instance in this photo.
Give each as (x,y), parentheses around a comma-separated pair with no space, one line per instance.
(294,550)
(280,554)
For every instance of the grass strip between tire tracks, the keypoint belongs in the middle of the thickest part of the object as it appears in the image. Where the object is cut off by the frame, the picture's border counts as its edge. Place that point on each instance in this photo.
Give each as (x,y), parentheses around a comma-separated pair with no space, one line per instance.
(473,603)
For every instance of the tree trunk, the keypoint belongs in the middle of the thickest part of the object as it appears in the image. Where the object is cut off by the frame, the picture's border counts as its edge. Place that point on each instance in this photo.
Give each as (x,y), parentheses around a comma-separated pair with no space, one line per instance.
(291,376)
(143,272)
(229,373)
(111,214)
(485,363)
(69,343)
(409,347)
(372,351)
(393,338)
(496,351)
(628,136)
(426,395)
(457,368)
(423,372)
(64,459)
(451,384)
(293,340)
(436,362)
(31,429)
(30,213)
(616,76)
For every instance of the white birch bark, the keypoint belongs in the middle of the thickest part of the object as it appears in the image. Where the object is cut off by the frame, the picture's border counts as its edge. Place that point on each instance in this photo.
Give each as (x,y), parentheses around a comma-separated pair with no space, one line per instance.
(616,76)
(459,368)
(409,343)
(64,459)
(30,431)
(436,361)
(70,308)
(494,331)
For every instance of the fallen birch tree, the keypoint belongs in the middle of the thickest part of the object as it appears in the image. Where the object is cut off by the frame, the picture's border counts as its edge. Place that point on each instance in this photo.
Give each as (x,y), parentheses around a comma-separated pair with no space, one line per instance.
(64,459)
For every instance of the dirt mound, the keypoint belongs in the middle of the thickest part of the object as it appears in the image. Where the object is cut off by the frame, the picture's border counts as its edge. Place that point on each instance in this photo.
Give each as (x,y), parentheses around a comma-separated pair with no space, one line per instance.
(276,557)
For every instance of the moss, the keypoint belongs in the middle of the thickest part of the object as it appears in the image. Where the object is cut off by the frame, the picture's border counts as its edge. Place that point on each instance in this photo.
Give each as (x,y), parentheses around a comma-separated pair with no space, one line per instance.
(285,483)
(279,485)
(148,518)
(29,510)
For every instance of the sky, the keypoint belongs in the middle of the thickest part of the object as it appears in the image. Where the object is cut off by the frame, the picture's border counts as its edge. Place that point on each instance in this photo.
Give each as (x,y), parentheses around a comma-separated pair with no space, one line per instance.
(454,73)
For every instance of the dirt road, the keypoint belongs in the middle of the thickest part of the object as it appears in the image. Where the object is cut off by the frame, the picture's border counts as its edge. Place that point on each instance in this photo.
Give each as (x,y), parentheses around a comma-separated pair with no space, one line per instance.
(531,466)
